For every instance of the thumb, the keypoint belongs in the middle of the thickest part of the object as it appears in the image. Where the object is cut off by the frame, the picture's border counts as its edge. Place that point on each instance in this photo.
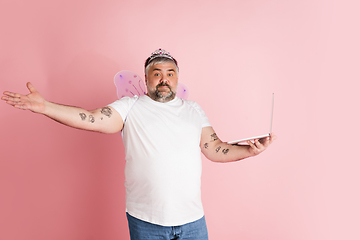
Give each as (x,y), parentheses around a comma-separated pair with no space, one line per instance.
(30,87)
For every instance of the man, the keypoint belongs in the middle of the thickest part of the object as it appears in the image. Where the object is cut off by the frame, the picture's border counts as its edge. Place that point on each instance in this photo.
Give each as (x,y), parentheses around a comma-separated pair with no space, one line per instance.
(163,137)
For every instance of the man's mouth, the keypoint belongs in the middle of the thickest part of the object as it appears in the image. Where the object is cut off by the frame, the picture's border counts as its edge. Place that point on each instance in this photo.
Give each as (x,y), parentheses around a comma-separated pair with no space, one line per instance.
(162,85)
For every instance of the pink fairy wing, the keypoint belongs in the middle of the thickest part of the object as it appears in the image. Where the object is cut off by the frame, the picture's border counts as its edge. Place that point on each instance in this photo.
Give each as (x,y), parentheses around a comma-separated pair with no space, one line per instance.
(128,84)
(182,91)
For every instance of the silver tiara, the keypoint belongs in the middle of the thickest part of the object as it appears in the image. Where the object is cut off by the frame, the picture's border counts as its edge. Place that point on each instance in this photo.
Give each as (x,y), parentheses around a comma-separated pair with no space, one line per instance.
(160,53)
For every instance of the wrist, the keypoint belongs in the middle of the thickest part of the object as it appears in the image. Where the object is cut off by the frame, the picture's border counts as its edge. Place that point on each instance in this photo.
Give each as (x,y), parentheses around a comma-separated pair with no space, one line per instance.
(46,108)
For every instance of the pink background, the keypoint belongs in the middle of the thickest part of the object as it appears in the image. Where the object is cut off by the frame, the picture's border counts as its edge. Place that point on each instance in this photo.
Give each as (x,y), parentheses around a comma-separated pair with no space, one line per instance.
(61,183)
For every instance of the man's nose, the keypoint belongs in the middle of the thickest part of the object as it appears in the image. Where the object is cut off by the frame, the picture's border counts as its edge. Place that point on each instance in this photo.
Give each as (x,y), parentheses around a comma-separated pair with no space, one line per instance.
(164,79)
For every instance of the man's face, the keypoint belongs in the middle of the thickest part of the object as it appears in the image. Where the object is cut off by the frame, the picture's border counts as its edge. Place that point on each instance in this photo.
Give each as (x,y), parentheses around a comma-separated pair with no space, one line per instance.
(161,82)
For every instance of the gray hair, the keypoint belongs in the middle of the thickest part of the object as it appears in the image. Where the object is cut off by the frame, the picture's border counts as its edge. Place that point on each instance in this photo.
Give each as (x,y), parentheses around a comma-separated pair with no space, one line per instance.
(159,60)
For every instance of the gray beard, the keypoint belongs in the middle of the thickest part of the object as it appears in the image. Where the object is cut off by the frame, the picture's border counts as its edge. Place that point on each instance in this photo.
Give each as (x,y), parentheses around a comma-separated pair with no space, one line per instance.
(157,95)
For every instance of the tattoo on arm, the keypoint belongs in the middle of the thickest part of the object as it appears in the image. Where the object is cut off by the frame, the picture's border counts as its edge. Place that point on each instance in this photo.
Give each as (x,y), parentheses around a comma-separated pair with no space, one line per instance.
(214,137)
(106,111)
(218,149)
(83,116)
(206,145)
(91,119)
(225,151)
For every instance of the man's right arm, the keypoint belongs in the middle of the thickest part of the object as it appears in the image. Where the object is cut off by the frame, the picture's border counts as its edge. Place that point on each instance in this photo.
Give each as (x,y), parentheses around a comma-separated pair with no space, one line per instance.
(105,120)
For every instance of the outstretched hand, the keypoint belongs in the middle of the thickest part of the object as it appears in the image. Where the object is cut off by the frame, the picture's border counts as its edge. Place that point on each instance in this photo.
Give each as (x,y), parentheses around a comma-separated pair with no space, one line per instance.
(33,101)
(260,145)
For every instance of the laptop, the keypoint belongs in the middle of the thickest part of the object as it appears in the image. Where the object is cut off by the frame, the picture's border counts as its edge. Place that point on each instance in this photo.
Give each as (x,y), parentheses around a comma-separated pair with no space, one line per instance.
(261,136)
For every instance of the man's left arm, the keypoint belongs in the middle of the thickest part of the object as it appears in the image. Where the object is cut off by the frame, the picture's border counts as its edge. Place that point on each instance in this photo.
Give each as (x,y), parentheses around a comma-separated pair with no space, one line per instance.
(216,150)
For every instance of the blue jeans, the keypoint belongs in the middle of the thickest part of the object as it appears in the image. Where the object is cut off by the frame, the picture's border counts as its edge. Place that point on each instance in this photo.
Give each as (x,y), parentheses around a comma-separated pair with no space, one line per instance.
(140,230)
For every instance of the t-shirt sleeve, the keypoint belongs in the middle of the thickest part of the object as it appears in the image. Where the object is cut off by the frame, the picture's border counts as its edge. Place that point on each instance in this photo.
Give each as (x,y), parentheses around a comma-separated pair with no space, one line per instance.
(204,120)
(124,105)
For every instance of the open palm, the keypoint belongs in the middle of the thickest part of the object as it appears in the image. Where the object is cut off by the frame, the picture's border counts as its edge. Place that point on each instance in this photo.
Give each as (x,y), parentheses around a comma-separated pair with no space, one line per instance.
(33,101)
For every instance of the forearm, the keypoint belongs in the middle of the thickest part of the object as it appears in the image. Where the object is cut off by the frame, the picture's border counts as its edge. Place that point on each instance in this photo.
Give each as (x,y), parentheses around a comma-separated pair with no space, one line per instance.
(95,120)
(68,115)
(223,152)
(218,151)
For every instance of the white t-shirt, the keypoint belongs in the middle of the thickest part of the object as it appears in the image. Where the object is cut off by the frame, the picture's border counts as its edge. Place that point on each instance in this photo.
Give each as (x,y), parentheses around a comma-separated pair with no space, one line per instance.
(163,159)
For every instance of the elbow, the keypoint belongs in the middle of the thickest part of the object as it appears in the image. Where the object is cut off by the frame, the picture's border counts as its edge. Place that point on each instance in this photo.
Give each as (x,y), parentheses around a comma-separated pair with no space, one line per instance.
(216,159)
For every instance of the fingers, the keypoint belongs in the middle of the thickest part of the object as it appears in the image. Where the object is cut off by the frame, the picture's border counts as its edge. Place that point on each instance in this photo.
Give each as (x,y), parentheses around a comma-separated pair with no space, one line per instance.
(16,99)
(259,145)
(265,141)
(21,106)
(11,94)
(273,137)
(30,87)
(255,147)
(256,144)
(16,104)
(11,98)
(268,140)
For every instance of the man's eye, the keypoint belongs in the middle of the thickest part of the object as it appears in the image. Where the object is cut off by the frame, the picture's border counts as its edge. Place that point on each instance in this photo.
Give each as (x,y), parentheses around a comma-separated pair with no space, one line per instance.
(156,74)
(170,74)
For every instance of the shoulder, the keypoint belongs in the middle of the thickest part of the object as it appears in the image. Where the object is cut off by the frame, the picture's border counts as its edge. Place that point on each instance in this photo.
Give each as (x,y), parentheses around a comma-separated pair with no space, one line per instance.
(124,105)
(193,104)
(125,101)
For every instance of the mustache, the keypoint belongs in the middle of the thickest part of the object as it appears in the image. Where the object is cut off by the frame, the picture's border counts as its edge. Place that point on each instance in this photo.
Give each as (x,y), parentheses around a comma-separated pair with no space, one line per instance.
(162,85)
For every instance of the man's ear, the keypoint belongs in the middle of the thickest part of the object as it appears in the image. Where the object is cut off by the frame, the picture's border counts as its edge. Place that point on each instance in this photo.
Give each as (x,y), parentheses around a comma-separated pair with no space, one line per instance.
(145,80)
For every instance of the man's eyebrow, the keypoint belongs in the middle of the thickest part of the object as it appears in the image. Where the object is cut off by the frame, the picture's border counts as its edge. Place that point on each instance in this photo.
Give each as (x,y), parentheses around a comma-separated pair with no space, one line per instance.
(168,70)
